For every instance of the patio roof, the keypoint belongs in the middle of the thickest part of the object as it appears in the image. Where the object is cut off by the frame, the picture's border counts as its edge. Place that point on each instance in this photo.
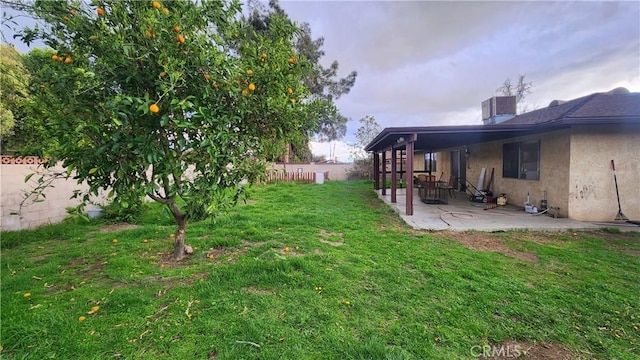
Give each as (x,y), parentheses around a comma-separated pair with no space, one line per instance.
(434,138)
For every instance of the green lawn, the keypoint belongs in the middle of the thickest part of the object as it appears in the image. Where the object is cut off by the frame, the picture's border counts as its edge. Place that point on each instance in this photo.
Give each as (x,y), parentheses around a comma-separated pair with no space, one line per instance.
(356,283)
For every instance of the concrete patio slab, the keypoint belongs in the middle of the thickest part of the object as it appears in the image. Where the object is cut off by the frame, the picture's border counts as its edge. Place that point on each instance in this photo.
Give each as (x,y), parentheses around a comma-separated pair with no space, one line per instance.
(460,214)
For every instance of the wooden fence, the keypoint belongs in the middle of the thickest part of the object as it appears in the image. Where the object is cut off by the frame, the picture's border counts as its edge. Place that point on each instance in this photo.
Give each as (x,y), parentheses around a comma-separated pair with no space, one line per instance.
(274,176)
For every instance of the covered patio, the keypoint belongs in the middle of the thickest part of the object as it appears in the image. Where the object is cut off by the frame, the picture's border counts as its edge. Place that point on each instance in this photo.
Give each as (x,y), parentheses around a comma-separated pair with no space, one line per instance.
(460,214)
(430,139)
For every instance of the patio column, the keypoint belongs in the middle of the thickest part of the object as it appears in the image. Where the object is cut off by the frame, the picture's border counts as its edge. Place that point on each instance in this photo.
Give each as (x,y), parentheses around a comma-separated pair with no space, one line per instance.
(376,171)
(384,173)
(394,174)
(410,149)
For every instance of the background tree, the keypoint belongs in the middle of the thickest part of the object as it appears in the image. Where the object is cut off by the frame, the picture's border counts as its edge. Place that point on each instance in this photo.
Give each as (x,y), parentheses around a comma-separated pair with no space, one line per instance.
(169,99)
(323,82)
(519,90)
(362,161)
(30,134)
(14,80)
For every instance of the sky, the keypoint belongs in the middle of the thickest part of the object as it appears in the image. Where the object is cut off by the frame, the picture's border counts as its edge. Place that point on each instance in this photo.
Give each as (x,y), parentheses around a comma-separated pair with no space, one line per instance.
(426,63)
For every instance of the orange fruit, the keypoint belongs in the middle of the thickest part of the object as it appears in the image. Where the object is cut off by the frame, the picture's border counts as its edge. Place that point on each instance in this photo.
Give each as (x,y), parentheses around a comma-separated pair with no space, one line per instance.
(215,85)
(251,87)
(245,92)
(154,108)
(27,294)
(286,249)
(100,11)
(163,74)
(68,60)
(207,76)
(249,72)
(156,4)
(176,28)
(66,18)
(180,39)
(82,318)
(293,101)
(263,55)
(289,91)
(165,11)
(72,12)
(293,60)
(93,310)
(56,58)
(115,241)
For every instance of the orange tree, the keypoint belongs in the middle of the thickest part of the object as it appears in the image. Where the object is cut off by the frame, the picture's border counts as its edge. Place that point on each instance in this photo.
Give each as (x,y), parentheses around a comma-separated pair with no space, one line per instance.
(169,100)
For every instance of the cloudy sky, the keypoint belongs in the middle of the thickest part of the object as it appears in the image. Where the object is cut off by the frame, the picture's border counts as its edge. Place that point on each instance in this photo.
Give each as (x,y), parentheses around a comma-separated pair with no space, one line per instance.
(432,63)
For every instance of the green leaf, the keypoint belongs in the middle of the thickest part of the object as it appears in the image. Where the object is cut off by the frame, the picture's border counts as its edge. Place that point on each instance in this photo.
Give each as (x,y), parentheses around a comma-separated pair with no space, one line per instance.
(26,178)
(93,170)
(116,121)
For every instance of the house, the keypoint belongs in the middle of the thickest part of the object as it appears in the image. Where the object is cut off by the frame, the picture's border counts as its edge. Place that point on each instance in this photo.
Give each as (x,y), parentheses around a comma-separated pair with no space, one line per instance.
(561,153)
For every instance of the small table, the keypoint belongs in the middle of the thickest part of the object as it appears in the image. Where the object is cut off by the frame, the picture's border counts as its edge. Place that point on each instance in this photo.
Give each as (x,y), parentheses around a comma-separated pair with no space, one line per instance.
(433,192)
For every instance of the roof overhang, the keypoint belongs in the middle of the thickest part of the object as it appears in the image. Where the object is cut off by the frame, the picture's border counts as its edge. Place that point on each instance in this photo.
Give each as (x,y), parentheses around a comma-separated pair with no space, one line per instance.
(435,138)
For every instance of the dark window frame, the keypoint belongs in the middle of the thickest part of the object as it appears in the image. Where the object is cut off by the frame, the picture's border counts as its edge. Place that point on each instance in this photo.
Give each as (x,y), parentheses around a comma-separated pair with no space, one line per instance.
(430,164)
(521,160)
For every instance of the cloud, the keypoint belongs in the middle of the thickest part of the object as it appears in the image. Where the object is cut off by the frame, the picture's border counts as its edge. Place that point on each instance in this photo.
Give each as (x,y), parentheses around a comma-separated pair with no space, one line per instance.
(429,63)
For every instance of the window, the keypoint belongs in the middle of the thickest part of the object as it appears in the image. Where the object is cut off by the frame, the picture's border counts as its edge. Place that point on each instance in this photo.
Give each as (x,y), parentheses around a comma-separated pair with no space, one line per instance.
(430,162)
(521,160)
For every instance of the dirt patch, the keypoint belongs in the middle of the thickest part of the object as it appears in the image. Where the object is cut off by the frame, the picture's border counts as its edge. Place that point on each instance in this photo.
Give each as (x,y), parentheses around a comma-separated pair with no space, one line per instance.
(491,243)
(255,290)
(252,244)
(327,237)
(524,350)
(118,227)
(40,257)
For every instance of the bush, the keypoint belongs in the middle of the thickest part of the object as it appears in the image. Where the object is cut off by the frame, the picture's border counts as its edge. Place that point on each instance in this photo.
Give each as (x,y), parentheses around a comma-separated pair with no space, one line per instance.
(361,170)
(124,211)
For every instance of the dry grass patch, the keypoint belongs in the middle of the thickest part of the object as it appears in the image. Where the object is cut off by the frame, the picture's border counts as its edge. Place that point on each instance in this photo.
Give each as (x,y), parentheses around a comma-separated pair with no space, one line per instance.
(255,290)
(118,227)
(331,238)
(491,243)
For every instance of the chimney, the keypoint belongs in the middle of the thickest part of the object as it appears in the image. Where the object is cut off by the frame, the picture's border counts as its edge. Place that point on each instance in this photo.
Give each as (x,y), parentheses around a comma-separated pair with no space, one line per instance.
(498,109)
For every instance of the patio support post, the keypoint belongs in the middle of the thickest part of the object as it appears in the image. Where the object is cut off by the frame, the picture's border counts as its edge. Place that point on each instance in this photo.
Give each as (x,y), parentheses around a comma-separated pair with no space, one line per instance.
(394,174)
(410,148)
(384,173)
(376,171)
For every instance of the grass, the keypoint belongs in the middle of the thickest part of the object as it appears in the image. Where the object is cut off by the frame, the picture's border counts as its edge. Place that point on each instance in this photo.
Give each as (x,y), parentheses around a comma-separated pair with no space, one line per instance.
(356,283)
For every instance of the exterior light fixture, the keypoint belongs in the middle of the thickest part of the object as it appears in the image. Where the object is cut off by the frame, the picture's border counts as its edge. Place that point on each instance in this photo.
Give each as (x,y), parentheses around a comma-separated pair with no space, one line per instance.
(400,140)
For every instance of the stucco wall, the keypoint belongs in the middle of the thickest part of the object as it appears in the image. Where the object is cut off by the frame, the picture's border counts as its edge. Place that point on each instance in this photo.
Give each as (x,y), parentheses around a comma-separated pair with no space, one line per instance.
(592,195)
(336,171)
(51,210)
(554,170)
(575,171)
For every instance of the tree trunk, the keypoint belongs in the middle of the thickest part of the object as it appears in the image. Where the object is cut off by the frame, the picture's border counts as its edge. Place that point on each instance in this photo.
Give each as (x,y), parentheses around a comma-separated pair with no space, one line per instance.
(179,247)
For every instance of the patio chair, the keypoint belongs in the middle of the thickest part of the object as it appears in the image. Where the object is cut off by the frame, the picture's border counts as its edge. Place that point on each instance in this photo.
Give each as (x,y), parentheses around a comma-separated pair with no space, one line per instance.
(451,186)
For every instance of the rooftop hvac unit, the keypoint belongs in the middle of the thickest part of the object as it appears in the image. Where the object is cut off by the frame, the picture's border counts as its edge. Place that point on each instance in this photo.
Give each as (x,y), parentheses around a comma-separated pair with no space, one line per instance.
(498,105)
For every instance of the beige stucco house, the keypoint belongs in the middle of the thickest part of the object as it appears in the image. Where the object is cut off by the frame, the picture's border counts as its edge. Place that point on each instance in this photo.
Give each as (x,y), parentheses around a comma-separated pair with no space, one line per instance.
(562,153)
